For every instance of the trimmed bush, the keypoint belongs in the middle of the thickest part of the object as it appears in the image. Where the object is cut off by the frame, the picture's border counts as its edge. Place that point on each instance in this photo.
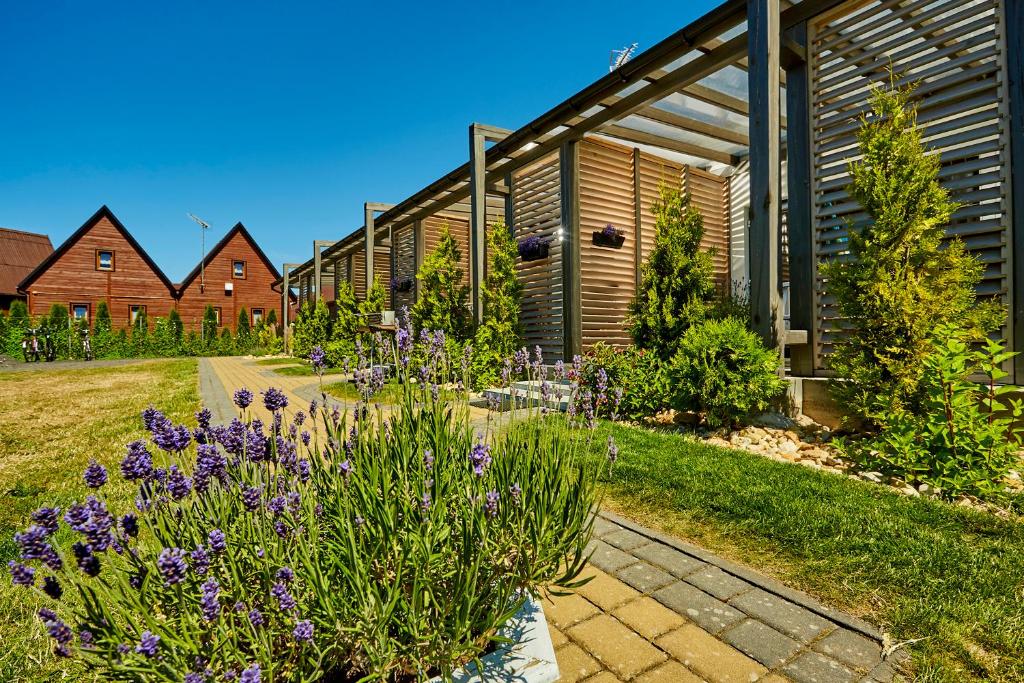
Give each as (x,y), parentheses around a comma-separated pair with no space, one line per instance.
(639,376)
(500,333)
(442,301)
(723,370)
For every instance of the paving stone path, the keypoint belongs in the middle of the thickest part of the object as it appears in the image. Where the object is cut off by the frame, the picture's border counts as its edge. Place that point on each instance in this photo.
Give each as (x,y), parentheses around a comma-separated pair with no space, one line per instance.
(657,610)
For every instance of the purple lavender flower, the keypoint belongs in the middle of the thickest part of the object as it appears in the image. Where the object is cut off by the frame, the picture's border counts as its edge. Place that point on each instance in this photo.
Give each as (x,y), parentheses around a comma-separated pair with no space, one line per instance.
(172,565)
(285,601)
(251,498)
(282,529)
(480,457)
(425,501)
(318,359)
(178,485)
(345,467)
(200,560)
(59,631)
(210,461)
(194,677)
(138,464)
(217,541)
(46,614)
(95,475)
(492,503)
(359,521)
(303,631)
(256,618)
(243,398)
(515,491)
(203,417)
(152,417)
(148,645)
(52,587)
(85,637)
(274,399)
(285,574)
(209,602)
(47,518)
(251,675)
(613,450)
(610,231)
(521,359)
(559,370)
(304,464)
(33,543)
(21,575)
(428,459)
(130,525)
(172,439)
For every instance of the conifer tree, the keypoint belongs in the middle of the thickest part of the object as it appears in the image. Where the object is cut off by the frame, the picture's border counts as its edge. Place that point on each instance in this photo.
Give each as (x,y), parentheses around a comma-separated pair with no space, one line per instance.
(176,326)
(376,300)
(17,324)
(101,323)
(500,333)
(443,298)
(902,278)
(242,330)
(676,282)
(209,326)
(272,321)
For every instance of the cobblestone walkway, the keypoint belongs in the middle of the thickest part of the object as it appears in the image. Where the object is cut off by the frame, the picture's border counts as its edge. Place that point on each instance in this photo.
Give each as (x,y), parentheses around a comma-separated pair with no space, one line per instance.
(657,610)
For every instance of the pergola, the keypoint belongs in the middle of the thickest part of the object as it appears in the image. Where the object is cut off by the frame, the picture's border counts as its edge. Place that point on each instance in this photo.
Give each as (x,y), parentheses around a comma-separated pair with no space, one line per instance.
(715,95)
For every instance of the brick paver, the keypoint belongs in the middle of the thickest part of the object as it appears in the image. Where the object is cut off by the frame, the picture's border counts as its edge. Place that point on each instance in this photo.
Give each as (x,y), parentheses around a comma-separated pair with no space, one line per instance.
(656,610)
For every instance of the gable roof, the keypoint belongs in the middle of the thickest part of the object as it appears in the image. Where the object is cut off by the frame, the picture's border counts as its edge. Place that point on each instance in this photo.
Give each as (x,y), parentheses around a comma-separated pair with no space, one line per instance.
(239,229)
(20,252)
(103,212)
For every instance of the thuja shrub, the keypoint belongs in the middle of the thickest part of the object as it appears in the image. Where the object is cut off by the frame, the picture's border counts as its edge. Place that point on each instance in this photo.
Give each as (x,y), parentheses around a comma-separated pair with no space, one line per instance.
(318,546)
(500,332)
(724,371)
(442,300)
(639,377)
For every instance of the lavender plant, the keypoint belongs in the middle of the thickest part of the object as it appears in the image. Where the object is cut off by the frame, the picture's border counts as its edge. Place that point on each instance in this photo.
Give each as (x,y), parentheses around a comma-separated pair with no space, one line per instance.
(385,546)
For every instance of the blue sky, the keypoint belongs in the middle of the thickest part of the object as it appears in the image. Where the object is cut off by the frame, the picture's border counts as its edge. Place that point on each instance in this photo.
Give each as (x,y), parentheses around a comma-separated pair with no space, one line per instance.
(284,115)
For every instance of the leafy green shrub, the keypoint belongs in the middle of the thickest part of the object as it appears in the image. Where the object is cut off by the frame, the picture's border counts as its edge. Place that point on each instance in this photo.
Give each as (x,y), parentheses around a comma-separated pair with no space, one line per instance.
(723,370)
(226,346)
(966,436)
(501,332)
(376,300)
(676,286)
(355,549)
(209,329)
(639,376)
(311,328)
(903,277)
(442,299)
(272,322)
(176,326)
(242,330)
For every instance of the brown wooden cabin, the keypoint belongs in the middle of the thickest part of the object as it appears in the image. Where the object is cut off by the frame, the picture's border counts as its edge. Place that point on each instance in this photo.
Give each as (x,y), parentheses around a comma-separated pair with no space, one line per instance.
(20,253)
(237,274)
(100,261)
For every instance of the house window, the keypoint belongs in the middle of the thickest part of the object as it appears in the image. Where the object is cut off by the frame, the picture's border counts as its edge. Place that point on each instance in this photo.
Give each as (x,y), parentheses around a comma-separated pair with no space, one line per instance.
(135,311)
(104,259)
(80,311)
(216,313)
(257,315)
(238,269)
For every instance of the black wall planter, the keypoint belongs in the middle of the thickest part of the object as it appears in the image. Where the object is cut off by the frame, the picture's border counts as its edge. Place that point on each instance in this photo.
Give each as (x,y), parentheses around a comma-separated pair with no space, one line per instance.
(533,251)
(611,242)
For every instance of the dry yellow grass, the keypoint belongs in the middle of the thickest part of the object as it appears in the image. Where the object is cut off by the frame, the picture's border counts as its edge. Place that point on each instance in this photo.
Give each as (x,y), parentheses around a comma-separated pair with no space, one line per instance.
(52,422)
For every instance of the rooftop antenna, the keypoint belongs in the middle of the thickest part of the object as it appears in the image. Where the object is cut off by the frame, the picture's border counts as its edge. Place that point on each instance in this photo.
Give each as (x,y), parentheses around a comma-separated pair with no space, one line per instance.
(204,226)
(620,57)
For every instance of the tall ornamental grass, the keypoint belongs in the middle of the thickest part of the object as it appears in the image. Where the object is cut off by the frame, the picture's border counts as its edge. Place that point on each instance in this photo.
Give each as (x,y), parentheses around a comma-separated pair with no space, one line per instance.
(386,546)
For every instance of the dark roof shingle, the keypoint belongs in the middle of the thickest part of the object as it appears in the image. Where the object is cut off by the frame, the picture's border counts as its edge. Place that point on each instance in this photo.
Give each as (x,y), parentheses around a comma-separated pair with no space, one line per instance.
(20,253)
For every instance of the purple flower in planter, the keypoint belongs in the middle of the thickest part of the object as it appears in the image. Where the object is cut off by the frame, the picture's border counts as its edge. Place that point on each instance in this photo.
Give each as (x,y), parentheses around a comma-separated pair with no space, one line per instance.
(256,618)
(251,675)
(492,503)
(243,398)
(285,601)
(217,541)
(531,247)
(95,475)
(209,601)
(138,464)
(52,587)
(47,518)
(148,645)
(274,399)
(172,565)
(21,575)
(303,631)
(610,231)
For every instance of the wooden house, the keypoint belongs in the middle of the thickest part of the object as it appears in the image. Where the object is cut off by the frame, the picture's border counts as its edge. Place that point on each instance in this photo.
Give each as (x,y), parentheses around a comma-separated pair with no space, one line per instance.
(20,253)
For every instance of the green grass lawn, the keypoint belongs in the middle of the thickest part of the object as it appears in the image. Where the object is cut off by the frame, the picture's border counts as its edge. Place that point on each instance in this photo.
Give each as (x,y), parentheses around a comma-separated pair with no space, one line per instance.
(280,361)
(54,422)
(950,576)
(303,371)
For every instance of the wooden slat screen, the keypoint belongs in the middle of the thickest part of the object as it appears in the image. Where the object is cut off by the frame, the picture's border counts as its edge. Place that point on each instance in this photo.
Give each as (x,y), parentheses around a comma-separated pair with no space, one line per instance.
(653,173)
(710,194)
(537,211)
(382,270)
(359,273)
(607,276)
(954,49)
(404,264)
(459,228)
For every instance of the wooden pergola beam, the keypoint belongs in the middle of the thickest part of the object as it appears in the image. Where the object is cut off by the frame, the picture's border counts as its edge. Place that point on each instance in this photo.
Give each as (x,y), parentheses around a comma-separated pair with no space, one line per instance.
(710,130)
(644,138)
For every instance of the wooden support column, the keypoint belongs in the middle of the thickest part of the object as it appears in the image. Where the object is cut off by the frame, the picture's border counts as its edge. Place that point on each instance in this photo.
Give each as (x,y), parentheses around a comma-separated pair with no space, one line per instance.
(800,206)
(478,218)
(1014,42)
(638,214)
(368,245)
(510,205)
(317,272)
(286,288)
(765,187)
(569,174)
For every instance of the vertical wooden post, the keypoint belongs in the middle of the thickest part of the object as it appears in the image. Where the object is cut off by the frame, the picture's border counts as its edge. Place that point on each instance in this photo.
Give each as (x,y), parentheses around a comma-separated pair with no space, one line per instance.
(1013,14)
(765,188)
(317,272)
(478,217)
(510,205)
(569,173)
(800,206)
(638,217)
(369,246)
(419,249)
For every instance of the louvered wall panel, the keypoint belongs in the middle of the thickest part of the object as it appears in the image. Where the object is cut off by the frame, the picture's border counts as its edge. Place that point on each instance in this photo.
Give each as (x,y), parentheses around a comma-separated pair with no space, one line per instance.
(382,271)
(459,228)
(537,211)
(954,49)
(653,173)
(359,273)
(607,275)
(710,194)
(404,241)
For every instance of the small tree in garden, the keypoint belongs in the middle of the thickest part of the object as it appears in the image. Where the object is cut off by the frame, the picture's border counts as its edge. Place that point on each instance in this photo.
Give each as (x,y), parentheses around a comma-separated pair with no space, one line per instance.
(226,347)
(902,278)
(101,322)
(272,321)
(676,286)
(177,328)
(209,326)
(500,333)
(443,298)
(310,328)
(375,300)
(242,329)
(342,343)
(17,323)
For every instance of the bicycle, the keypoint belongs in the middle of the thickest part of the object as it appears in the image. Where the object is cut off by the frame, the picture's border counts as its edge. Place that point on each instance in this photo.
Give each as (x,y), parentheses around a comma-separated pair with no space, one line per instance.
(86,345)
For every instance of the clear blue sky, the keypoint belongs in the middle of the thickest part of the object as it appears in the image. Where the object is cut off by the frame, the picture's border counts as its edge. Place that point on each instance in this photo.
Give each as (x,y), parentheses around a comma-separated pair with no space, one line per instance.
(284,115)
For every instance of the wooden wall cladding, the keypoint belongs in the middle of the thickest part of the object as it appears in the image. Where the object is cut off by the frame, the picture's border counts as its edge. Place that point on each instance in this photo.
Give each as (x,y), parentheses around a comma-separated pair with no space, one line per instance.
(382,271)
(359,273)
(710,194)
(536,207)
(459,228)
(954,50)
(652,173)
(404,264)
(607,275)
